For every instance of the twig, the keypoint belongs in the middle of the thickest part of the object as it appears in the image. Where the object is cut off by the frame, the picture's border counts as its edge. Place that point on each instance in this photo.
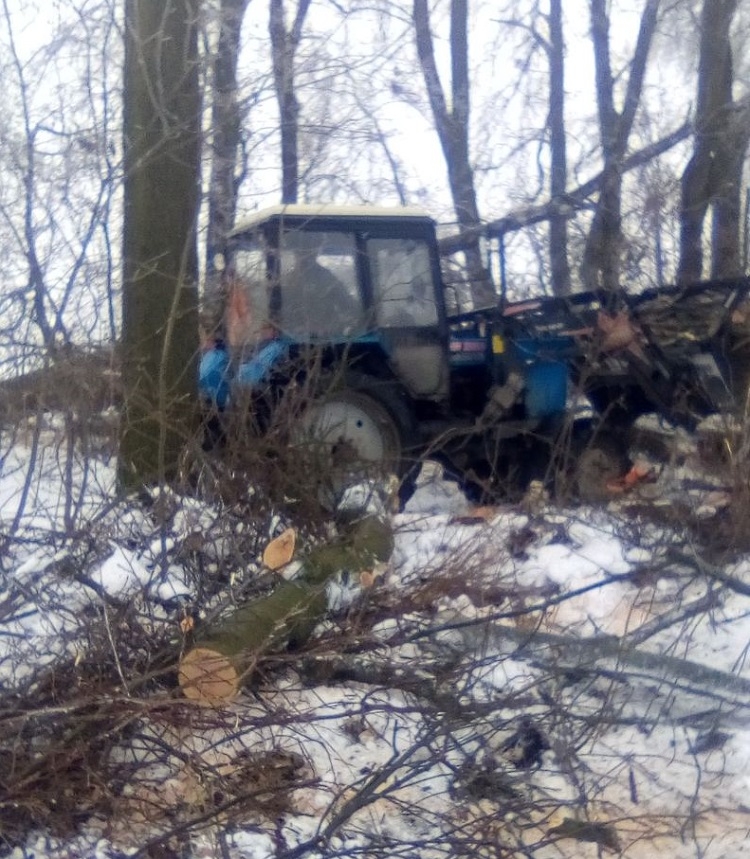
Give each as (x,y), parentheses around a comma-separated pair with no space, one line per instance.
(116,656)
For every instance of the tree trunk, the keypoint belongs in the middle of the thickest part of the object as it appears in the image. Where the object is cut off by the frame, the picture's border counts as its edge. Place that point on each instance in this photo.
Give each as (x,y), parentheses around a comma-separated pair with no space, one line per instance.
(726,236)
(558,226)
(226,130)
(284,45)
(601,259)
(161,189)
(214,669)
(713,176)
(453,131)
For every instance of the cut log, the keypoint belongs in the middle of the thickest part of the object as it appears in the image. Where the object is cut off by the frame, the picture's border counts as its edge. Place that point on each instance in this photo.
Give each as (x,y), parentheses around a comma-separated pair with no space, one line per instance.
(214,670)
(364,543)
(280,551)
(208,676)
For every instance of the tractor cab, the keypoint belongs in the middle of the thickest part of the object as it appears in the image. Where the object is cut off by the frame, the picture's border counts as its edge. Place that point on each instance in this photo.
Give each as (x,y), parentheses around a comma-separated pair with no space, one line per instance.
(361,279)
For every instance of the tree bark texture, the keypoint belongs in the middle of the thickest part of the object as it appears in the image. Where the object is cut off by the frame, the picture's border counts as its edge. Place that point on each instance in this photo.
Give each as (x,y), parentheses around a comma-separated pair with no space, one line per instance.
(558,226)
(726,229)
(713,175)
(601,259)
(162,144)
(226,130)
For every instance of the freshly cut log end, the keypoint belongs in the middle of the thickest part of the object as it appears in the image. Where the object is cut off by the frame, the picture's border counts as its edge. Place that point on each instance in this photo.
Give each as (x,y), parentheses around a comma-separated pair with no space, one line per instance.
(280,551)
(208,676)
(213,671)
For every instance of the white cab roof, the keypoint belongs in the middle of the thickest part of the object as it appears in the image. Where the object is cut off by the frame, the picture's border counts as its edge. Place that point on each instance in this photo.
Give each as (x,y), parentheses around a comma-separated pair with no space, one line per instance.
(327,210)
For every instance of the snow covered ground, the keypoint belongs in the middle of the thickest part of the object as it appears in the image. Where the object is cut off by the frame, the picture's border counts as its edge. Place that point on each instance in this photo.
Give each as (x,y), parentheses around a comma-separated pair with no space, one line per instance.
(554,682)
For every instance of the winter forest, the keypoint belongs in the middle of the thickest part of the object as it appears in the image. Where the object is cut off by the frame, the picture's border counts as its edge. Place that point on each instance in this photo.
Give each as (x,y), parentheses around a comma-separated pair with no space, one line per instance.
(211,644)
(478,113)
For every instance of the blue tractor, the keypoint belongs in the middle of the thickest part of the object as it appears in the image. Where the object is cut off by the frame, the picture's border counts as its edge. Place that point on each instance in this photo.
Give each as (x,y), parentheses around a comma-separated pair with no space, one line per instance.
(349,304)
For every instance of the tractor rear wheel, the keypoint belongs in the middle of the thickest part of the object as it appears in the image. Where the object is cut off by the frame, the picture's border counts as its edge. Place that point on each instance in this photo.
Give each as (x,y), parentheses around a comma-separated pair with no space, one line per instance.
(352,431)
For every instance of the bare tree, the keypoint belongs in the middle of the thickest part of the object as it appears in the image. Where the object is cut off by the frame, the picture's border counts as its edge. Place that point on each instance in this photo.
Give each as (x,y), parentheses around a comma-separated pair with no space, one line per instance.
(552,45)
(284,44)
(601,259)
(558,226)
(58,179)
(348,143)
(226,128)
(162,164)
(452,123)
(713,176)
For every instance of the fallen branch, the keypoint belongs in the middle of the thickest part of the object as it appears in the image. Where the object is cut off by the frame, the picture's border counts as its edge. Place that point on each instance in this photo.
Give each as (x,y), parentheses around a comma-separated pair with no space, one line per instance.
(560,653)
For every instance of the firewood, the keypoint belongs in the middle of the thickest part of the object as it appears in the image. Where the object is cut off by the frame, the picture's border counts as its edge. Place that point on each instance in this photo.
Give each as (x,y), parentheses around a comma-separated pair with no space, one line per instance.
(213,670)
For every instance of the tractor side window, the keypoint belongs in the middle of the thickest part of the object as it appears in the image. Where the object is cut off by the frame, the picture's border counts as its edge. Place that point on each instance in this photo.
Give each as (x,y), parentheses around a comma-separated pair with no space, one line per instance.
(247,295)
(401,273)
(320,295)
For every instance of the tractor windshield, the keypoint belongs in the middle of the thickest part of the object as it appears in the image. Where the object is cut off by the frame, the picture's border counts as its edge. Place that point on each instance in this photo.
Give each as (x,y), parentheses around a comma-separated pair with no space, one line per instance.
(320,295)
(332,281)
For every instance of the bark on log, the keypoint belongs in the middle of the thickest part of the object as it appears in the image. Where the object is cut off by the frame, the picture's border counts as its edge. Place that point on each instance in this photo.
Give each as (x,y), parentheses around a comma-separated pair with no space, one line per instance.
(214,670)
